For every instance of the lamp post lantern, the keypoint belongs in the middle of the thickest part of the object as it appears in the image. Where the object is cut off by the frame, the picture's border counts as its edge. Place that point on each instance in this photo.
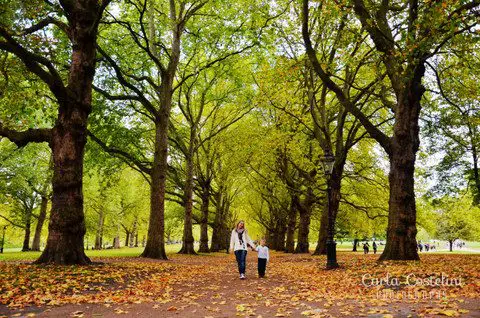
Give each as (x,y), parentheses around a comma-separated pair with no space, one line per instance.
(328,162)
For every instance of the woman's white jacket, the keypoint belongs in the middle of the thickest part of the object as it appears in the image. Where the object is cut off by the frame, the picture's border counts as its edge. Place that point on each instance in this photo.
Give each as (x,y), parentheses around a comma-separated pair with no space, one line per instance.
(235,241)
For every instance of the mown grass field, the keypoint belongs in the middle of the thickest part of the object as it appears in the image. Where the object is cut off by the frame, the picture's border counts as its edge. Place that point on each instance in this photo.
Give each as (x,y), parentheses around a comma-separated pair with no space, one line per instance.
(15,254)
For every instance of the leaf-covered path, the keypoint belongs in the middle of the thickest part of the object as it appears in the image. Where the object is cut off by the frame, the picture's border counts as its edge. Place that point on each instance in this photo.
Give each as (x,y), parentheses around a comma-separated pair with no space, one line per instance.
(208,286)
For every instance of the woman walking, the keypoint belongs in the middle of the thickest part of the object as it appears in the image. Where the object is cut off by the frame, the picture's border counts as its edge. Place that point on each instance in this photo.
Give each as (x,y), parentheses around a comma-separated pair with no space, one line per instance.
(239,242)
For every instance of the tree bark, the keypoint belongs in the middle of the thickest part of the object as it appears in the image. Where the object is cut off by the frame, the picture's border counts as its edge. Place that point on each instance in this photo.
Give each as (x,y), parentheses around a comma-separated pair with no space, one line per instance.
(67,223)
(127,237)
(280,232)
(41,219)
(26,237)
(476,174)
(321,248)
(220,233)
(134,234)
(305,210)
(402,229)
(155,245)
(303,231)
(292,223)
(405,76)
(451,245)
(116,240)
(99,232)
(188,241)
(355,244)
(218,238)
(271,239)
(204,223)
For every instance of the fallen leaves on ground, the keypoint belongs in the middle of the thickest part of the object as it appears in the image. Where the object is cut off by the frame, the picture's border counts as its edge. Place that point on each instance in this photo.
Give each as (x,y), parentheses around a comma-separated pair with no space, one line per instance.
(296,285)
(119,282)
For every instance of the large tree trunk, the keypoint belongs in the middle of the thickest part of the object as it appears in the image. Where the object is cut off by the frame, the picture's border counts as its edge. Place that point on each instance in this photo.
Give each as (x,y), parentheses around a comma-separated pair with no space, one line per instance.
(220,236)
(127,237)
(476,174)
(405,74)
(271,239)
(292,222)
(321,248)
(220,233)
(26,237)
(67,223)
(134,234)
(280,232)
(188,241)
(204,222)
(355,244)
(99,232)
(303,231)
(155,245)
(41,219)
(305,210)
(402,228)
(116,240)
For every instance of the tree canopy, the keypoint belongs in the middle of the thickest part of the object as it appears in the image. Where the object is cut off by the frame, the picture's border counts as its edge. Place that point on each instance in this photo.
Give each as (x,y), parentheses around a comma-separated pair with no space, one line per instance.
(147,122)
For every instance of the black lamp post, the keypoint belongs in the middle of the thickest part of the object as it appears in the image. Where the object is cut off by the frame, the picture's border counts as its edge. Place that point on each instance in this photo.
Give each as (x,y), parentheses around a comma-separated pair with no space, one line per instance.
(328,162)
(3,238)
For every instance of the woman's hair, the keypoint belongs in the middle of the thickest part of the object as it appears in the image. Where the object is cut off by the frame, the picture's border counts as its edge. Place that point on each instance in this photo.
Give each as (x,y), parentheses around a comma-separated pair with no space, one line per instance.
(241,221)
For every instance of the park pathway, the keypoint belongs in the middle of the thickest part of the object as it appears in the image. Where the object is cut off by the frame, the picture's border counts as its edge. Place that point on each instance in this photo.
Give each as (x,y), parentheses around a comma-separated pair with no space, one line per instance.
(296,286)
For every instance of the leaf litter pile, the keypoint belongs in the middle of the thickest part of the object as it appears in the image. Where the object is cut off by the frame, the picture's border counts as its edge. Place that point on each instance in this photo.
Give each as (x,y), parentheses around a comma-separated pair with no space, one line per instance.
(208,286)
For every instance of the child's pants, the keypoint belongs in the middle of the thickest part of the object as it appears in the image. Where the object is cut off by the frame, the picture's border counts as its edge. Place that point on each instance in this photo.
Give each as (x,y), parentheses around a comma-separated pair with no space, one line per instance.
(262,265)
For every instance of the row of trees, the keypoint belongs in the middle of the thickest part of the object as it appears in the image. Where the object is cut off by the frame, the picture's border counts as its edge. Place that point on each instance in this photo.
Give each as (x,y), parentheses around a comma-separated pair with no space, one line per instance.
(213,104)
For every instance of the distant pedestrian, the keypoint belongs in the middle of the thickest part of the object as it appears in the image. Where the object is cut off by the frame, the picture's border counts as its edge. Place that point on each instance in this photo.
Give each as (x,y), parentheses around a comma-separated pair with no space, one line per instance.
(374,245)
(365,248)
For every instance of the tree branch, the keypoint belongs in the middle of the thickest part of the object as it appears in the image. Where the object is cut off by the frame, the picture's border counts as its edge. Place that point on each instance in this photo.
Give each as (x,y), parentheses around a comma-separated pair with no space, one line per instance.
(45,22)
(376,133)
(22,138)
(120,153)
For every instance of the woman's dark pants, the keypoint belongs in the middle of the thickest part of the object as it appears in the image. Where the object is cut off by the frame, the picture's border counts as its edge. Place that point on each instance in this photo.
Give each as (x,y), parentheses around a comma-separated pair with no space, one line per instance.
(241,256)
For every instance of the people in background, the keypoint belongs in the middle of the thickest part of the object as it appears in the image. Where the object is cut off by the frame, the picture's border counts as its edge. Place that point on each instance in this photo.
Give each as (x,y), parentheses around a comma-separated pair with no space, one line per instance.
(366,246)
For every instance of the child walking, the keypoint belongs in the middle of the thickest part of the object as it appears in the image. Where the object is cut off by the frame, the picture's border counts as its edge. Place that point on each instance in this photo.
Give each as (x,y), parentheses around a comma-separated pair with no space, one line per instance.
(263,257)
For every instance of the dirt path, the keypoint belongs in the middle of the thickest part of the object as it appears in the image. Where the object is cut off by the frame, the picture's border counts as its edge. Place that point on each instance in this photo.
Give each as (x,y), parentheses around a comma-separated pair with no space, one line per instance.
(295,286)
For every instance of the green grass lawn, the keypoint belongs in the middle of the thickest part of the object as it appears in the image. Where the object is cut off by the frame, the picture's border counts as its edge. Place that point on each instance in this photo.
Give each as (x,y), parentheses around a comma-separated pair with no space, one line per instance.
(348,246)
(15,254)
